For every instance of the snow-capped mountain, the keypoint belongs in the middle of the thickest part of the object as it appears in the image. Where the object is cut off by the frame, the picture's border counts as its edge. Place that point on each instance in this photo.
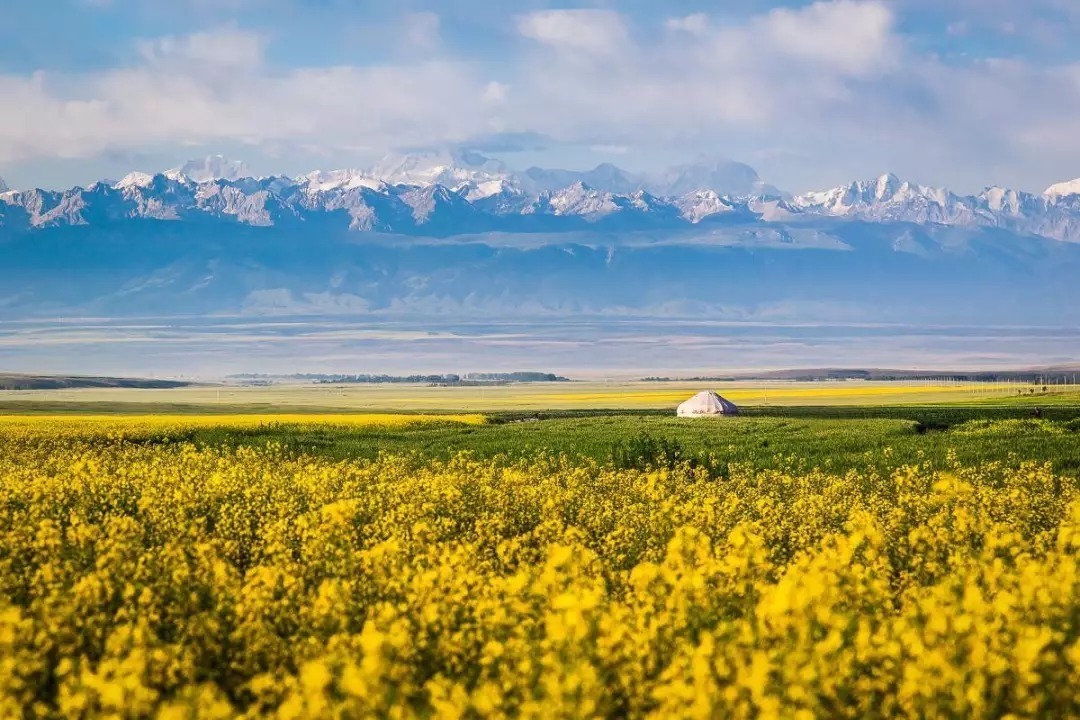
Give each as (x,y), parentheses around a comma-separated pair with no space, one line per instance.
(698,205)
(888,198)
(212,167)
(445,234)
(452,168)
(323,181)
(1053,214)
(456,193)
(578,200)
(1063,189)
(3,186)
(208,169)
(134,179)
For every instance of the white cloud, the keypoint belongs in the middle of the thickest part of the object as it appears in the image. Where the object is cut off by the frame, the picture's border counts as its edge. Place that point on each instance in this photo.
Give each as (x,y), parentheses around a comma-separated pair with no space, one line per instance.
(849,36)
(594,32)
(690,85)
(816,93)
(222,49)
(422,31)
(496,93)
(213,87)
(835,82)
(695,23)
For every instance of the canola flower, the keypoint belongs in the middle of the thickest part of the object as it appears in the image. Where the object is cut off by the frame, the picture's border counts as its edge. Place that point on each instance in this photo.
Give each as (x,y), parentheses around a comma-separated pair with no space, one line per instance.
(783,393)
(128,425)
(140,579)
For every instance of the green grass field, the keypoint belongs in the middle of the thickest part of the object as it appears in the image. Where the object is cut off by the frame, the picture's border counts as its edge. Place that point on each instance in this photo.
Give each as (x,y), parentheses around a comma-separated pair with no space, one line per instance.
(829,425)
(795,444)
(834,425)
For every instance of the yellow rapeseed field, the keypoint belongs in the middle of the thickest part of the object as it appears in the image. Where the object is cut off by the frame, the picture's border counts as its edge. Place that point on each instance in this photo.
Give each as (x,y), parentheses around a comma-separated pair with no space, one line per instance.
(172,581)
(127,425)
(527,396)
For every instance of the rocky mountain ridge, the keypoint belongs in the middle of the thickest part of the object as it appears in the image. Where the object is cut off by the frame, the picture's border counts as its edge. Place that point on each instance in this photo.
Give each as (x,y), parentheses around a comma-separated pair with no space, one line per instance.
(466,193)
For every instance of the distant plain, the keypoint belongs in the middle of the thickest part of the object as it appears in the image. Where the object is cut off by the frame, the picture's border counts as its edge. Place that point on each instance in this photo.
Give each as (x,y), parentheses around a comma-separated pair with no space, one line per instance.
(567,396)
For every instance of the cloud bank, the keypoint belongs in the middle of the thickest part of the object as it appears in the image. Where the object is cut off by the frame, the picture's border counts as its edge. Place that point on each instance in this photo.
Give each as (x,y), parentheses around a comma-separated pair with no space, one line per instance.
(815,94)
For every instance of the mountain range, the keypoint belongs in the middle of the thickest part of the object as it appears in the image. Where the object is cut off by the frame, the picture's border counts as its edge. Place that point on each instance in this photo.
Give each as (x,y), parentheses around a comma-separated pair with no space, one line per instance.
(460,192)
(458,234)
(447,193)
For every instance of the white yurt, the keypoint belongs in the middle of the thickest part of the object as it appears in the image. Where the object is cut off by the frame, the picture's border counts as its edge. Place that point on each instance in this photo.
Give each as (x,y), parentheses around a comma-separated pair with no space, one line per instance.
(707,404)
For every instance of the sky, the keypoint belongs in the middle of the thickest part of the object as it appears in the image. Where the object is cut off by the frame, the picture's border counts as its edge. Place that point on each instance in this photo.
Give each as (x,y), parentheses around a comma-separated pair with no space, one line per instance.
(961,93)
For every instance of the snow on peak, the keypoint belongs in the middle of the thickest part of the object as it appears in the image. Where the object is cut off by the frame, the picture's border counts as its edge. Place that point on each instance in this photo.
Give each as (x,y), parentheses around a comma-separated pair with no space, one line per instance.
(696,206)
(1063,189)
(644,199)
(347,179)
(886,186)
(457,191)
(888,198)
(580,199)
(211,167)
(474,191)
(450,167)
(1002,200)
(134,180)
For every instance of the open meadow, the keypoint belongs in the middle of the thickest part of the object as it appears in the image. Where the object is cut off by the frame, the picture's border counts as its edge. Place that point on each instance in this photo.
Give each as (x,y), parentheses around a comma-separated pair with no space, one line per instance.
(539,552)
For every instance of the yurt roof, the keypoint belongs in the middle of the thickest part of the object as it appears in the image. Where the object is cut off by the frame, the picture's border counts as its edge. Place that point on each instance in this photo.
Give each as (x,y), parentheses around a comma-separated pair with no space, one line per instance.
(707,403)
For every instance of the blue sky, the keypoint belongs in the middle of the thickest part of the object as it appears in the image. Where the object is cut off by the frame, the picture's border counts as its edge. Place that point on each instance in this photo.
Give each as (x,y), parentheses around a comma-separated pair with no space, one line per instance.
(964,93)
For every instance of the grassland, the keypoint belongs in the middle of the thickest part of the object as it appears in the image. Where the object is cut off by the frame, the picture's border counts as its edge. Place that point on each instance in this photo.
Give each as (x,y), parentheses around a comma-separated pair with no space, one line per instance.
(839,425)
(760,443)
(796,438)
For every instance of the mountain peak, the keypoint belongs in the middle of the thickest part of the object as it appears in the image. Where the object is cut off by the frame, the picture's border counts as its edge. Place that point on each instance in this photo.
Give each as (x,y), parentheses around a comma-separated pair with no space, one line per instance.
(1063,189)
(347,179)
(3,186)
(470,194)
(887,198)
(445,166)
(211,167)
(134,180)
(886,186)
